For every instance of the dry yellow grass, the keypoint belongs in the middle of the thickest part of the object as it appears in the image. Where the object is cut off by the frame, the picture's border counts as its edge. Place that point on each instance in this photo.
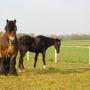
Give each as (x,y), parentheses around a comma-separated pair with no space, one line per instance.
(72,72)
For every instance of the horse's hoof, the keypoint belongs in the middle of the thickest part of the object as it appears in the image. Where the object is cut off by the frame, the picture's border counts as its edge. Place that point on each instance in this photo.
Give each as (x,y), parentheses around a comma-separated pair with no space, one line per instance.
(23,70)
(34,67)
(13,73)
(2,73)
(20,70)
(44,66)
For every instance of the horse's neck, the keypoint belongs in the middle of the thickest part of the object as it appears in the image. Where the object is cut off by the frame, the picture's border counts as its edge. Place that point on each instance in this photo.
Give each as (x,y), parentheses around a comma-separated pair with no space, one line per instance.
(50,42)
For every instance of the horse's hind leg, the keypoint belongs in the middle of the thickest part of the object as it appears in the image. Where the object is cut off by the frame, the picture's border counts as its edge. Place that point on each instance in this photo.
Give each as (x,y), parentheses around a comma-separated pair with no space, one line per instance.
(21,66)
(36,56)
(20,62)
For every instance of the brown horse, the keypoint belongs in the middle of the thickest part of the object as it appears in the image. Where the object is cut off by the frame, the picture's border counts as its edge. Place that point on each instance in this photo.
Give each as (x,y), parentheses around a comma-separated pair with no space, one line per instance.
(8,49)
(38,45)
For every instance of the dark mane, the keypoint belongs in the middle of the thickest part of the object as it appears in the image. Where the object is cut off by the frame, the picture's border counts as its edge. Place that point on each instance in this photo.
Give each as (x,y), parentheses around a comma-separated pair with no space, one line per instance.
(48,40)
(45,37)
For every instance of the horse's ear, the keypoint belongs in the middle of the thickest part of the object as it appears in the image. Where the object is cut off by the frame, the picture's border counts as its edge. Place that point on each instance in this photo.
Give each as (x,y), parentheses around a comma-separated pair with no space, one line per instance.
(7,20)
(15,21)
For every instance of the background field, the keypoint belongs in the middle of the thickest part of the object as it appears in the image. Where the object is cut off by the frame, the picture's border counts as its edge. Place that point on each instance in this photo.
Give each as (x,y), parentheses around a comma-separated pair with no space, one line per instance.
(71,72)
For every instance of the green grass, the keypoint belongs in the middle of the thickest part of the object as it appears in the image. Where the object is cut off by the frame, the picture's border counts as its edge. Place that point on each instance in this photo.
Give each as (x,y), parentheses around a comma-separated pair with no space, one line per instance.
(76,43)
(71,72)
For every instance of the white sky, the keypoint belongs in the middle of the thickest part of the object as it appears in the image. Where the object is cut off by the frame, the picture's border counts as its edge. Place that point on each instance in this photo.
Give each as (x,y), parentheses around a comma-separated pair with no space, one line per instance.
(47,16)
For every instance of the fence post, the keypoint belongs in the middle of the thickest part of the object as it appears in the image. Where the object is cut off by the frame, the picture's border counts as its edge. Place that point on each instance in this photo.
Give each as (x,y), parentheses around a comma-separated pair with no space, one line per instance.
(55,56)
(28,56)
(89,54)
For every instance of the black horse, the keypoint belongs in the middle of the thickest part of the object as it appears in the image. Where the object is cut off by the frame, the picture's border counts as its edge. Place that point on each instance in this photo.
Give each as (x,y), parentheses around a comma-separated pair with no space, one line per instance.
(38,45)
(8,49)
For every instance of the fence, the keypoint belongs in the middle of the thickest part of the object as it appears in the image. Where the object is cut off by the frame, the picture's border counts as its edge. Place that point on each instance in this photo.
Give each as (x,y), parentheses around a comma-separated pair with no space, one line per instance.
(28,56)
(56,58)
(82,47)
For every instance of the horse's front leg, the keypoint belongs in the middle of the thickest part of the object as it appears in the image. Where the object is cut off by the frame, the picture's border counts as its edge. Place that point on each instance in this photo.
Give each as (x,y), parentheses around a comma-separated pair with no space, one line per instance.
(43,57)
(2,66)
(12,69)
(36,56)
(7,64)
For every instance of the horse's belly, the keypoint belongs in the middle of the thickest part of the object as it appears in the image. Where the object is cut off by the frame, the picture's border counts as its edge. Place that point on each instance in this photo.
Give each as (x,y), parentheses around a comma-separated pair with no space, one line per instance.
(35,50)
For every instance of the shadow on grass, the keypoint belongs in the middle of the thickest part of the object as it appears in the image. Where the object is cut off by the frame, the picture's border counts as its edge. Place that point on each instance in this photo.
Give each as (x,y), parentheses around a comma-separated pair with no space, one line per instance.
(63,71)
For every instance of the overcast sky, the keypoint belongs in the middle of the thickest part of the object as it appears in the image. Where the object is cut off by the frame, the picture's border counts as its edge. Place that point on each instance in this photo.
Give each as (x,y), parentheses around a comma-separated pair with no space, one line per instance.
(47,16)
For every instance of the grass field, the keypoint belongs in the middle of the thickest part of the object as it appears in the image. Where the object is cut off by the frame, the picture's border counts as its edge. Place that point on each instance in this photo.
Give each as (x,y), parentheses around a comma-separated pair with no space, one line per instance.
(76,42)
(71,72)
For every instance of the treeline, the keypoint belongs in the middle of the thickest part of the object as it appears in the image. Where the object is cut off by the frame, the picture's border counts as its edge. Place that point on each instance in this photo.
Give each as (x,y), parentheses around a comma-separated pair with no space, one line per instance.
(73,37)
(63,37)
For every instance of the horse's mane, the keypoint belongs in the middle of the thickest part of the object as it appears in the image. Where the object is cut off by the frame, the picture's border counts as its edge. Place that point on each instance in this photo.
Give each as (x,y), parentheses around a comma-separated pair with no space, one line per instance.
(42,36)
(45,37)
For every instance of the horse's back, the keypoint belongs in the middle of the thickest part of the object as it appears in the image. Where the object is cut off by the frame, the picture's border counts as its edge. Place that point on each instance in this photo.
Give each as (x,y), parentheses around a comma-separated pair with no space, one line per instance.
(43,38)
(25,43)
(33,44)
(26,39)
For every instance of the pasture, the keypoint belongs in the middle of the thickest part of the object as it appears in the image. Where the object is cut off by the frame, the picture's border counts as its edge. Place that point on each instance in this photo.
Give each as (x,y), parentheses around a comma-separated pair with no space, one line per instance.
(71,72)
